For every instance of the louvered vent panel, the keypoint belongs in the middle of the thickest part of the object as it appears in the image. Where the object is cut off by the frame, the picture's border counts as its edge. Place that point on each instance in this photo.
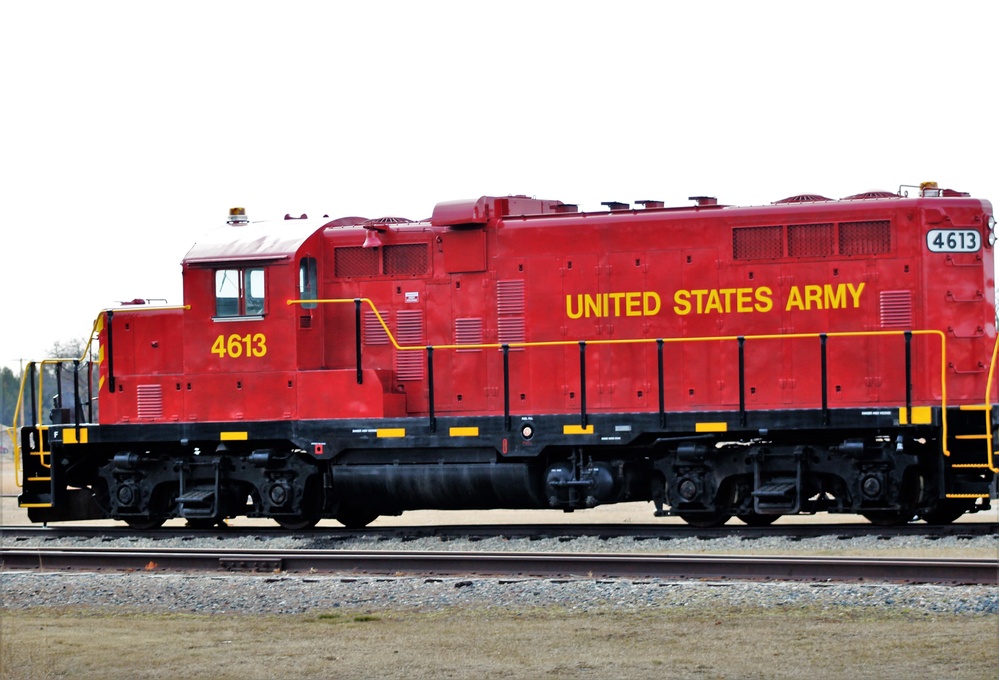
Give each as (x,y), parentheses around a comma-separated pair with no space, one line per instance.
(149,400)
(374,332)
(406,260)
(409,331)
(757,243)
(468,332)
(896,309)
(512,330)
(810,240)
(510,304)
(865,238)
(509,297)
(358,261)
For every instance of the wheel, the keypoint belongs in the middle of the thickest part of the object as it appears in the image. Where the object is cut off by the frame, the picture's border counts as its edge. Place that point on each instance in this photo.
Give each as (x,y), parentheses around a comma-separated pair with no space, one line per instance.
(297,522)
(353,518)
(755,519)
(145,523)
(705,520)
(945,511)
(889,518)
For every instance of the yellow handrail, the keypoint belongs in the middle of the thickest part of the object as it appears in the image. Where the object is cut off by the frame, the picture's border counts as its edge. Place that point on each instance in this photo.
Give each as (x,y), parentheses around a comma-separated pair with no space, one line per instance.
(626,341)
(988,408)
(99,321)
(15,439)
(94,330)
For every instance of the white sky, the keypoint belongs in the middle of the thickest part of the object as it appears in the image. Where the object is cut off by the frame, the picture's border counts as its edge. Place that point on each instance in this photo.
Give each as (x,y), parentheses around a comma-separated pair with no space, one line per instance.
(130,128)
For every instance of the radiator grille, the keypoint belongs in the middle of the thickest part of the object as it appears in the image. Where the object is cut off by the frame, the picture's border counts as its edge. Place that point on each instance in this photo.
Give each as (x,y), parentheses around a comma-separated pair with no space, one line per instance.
(409,259)
(757,243)
(810,240)
(865,238)
(355,262)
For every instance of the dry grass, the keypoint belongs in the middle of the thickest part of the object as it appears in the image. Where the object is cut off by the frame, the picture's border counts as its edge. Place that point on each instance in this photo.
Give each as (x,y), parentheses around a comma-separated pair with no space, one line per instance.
(664,643)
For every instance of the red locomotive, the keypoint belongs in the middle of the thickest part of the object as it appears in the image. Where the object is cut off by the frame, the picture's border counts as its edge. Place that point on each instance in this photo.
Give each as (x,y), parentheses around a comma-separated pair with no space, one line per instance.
(509,352)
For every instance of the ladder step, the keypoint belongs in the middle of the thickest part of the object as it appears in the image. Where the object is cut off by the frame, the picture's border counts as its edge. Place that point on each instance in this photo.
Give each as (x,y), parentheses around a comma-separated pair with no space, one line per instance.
(39,479)
(973,436)
(197,497)
(776,490)
(967,495)
(970,465)
(976,407)
(34,500)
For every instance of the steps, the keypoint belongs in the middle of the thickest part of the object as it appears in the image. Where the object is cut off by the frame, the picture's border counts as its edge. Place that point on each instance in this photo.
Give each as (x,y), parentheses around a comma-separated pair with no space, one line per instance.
(971,450)
(37,490)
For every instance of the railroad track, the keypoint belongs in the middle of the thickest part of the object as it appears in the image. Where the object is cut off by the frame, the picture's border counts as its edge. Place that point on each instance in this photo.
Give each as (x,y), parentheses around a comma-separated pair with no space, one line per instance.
(518,564)
(640,532)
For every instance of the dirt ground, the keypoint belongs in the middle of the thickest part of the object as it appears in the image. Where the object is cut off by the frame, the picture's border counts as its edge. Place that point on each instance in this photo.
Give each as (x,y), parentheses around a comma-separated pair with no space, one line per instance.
(546,643)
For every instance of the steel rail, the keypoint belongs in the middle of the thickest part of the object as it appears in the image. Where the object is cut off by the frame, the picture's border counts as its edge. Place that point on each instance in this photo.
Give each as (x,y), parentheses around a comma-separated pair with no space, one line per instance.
(639,532)
(586,565)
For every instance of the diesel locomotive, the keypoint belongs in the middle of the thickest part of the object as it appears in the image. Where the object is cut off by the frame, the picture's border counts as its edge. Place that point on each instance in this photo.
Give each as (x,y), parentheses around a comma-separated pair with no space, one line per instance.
(808,355)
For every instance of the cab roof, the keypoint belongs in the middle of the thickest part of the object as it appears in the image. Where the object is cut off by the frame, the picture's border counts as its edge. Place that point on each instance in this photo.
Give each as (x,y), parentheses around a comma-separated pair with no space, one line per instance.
(253,241)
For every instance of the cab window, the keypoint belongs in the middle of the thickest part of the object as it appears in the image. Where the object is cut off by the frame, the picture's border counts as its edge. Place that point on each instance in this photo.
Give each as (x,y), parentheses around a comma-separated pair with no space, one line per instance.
(307,288)
(239,292)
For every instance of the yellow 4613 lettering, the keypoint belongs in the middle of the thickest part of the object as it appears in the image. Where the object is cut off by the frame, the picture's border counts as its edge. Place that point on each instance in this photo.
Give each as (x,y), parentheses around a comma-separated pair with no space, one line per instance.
(236,346)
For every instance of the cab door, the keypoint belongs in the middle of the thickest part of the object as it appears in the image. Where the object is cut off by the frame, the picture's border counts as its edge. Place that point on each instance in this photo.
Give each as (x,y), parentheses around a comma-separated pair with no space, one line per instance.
(308,320)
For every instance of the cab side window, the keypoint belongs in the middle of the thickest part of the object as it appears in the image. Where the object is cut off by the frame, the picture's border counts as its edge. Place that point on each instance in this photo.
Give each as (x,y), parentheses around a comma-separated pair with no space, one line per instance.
(307,284)
(239,292)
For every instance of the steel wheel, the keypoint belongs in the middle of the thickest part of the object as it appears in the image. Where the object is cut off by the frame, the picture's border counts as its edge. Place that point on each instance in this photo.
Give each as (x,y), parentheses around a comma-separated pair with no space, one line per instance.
(353,518)
(946,510)
(296,522)
(889,518)
(145,523)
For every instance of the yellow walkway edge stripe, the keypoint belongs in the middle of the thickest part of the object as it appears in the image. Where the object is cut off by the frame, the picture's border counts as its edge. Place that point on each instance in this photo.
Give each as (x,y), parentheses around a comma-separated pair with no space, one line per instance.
(921,415)
(69,436)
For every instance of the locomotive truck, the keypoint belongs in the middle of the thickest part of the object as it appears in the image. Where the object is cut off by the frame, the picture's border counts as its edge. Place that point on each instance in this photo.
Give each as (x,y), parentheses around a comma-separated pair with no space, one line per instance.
(810,355)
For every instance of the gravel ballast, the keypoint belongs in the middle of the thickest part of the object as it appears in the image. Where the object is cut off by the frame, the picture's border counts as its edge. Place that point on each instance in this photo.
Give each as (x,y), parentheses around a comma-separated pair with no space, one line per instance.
(288,594)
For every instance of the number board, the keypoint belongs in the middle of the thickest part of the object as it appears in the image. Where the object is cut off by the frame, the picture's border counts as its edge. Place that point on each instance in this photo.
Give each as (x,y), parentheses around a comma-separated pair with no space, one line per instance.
(236,346)
(953,240)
